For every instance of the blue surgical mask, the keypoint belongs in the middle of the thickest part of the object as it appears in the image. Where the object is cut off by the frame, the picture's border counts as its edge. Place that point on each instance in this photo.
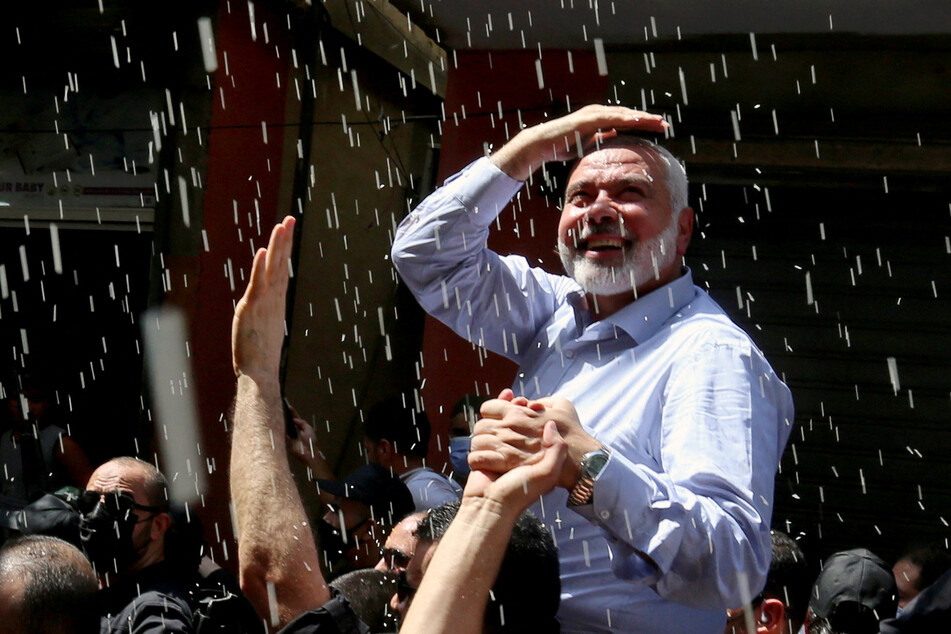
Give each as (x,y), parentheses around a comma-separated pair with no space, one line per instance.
(459,456)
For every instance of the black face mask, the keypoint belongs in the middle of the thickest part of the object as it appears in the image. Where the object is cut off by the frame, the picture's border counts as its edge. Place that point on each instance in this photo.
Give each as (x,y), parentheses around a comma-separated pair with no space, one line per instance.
(106,524)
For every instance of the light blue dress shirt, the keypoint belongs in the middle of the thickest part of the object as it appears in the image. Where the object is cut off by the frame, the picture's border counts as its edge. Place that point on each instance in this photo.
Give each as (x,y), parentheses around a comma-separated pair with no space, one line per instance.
(430,489)
(696,418)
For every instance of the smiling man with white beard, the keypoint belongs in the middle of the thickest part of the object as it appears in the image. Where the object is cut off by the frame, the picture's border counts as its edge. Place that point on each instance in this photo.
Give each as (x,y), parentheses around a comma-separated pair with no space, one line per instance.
(675,423)
(642,260)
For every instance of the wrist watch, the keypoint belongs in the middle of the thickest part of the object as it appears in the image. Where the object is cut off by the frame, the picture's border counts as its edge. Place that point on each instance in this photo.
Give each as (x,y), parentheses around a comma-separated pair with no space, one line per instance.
(592,463)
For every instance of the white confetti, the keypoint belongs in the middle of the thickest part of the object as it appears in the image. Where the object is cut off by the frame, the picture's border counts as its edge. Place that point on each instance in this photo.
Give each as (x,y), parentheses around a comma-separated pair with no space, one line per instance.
(209,55)
(893,374)
(57,255)
(165,335)
(599,55)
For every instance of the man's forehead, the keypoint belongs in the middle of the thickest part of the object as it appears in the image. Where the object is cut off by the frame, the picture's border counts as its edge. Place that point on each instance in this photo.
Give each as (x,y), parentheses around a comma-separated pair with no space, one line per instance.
(405,530)
(624,156)
(111,477)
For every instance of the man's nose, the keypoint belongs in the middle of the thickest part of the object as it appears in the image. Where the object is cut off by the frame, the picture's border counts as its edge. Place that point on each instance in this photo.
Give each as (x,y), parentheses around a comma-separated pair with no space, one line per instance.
(601,210)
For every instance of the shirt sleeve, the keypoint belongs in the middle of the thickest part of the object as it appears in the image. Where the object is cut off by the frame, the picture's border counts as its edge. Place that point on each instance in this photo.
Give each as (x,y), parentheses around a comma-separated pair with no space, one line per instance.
(440,252)
(693,521)
(435,491)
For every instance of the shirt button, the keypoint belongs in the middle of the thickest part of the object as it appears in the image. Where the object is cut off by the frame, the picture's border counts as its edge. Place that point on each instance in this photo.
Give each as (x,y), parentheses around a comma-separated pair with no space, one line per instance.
(569,353)
(605,514)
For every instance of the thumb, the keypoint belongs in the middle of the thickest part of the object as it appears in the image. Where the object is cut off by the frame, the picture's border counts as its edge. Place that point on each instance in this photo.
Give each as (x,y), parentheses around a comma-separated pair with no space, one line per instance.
(556,449)
(506,395)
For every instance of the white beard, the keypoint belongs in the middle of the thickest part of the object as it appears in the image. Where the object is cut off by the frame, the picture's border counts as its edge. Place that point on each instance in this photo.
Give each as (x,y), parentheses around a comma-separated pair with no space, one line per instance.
(642,262)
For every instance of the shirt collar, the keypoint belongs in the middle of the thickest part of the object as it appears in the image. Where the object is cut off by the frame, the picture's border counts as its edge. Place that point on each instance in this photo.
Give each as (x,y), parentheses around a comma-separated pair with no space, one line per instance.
(642,318)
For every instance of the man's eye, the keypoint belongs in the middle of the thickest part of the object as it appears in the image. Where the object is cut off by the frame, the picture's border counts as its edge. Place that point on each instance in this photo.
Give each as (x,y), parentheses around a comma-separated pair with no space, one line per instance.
(395,561)
(578,199)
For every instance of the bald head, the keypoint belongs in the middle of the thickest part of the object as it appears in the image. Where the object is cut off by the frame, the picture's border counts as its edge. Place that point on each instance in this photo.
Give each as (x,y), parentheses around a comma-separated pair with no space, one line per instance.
(140,478)
(46,587)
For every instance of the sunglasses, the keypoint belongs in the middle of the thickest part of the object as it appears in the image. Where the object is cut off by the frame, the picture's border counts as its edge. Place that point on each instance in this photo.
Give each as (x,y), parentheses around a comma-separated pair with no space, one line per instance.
(119,503)
(396,560)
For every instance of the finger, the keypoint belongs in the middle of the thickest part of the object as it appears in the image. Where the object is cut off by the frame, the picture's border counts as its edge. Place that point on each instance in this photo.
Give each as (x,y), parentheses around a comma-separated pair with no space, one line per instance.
(275,249)
(520,400)
(495,408)
(535,406)
(556,451)
(257,273)
(489,461)
(288,242)
(506,395)
(550,435)
(492,433)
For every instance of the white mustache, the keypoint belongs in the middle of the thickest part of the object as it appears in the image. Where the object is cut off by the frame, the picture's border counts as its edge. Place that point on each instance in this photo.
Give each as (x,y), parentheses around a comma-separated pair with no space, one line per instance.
(588,231)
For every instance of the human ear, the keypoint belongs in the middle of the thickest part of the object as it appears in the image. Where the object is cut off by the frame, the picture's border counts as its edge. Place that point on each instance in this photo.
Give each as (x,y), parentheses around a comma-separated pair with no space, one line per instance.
(772,615)
(160,525)
(684,229)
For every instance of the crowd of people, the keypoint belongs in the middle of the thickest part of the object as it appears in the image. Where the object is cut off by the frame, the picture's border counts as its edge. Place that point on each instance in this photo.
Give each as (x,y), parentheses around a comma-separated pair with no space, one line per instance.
(624,483)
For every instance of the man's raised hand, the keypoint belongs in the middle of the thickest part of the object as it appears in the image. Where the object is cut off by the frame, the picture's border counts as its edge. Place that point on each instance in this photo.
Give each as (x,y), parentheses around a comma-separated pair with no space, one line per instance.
(558,139)
(257,330)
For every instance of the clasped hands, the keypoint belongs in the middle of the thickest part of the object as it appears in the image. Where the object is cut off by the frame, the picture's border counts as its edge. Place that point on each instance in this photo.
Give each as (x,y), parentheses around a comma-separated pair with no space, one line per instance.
(522,449)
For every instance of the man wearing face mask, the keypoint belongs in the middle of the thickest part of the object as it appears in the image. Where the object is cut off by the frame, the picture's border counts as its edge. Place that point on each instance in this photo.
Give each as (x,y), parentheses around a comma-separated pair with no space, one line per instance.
(124,519)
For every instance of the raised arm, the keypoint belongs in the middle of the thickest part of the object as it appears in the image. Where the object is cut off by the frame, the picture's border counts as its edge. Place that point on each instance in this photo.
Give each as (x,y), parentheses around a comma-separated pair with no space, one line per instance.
(275,544)
(561,139)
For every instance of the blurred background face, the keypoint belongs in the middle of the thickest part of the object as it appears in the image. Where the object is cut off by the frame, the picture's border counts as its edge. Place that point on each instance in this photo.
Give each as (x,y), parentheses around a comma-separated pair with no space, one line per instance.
(346,513)
(37,403)
(14,409)
(358,532)
(906,578)
(462,423)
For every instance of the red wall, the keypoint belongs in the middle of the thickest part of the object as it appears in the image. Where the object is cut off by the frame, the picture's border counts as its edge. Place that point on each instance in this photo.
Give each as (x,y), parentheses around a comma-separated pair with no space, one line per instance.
(452,367)
(237,166)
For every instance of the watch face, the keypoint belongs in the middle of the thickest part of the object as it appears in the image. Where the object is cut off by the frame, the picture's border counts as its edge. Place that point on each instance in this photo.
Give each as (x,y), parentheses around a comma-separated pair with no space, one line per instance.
(594,462)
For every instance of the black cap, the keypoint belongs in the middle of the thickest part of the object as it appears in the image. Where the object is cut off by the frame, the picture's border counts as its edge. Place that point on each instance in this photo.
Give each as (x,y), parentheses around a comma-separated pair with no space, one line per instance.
(853,584)
(386,495)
